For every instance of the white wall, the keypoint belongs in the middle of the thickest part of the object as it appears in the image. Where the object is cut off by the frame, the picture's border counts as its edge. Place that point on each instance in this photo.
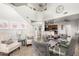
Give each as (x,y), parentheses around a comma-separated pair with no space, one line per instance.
(70,28)
(10,17)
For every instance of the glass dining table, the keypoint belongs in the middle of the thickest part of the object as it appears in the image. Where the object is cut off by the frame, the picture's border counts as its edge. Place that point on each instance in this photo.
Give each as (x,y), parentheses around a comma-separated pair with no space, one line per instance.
(52,43)
(54,46)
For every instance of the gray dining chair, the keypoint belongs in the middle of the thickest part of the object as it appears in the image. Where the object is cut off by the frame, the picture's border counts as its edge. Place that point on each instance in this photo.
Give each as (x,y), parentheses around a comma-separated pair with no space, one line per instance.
(40,48)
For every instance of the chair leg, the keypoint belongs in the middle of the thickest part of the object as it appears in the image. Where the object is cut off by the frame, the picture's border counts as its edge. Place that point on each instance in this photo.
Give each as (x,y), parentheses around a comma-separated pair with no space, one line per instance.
(8,54)
(18,47)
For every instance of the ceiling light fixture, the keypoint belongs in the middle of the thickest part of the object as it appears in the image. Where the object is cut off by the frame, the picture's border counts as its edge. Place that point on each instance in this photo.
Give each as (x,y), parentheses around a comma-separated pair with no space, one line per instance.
(41,7)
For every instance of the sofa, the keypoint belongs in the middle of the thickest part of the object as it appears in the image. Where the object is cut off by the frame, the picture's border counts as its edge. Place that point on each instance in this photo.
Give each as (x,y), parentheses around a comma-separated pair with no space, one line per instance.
(8,45)
(8,48)
(40,48)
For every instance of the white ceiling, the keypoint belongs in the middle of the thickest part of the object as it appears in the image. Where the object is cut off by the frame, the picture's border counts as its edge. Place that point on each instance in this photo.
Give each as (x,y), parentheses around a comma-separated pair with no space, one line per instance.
(71,9)
(68,18)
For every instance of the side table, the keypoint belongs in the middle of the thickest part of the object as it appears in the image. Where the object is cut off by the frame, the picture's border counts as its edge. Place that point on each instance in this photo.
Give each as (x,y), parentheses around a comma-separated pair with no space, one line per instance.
(23,41)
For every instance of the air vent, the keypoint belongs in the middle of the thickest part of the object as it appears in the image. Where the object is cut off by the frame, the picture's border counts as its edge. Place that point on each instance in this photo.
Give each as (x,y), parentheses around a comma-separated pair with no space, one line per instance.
(66,20)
